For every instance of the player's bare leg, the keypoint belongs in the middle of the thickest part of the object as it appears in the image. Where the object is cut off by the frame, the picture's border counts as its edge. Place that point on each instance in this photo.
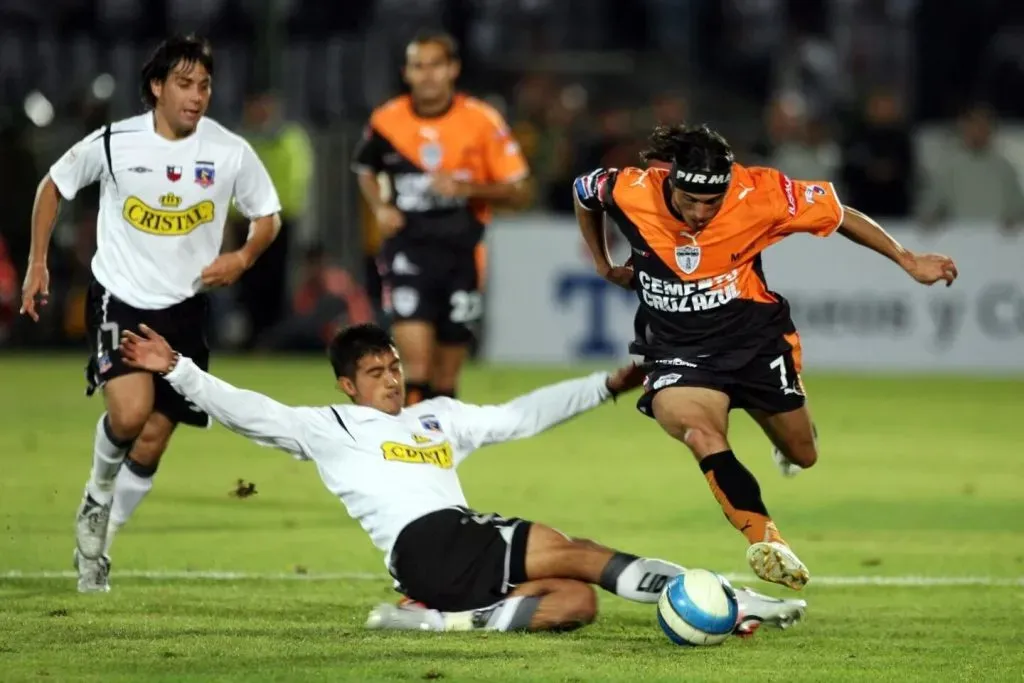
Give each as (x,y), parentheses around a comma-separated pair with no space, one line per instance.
(793,436)
(698,417)
(558,593)
(640,579)
(415,341)
(448,362)
(543,605)
(135,478)
(129,400)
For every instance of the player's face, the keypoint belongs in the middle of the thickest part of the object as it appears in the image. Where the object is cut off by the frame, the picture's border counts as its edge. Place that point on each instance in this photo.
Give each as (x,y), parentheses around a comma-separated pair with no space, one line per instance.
(697,209)
(184,96)
(430,73)
(379,382)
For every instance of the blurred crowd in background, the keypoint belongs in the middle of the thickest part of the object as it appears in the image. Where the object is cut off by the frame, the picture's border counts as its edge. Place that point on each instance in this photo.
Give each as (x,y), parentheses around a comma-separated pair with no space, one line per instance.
(898,102)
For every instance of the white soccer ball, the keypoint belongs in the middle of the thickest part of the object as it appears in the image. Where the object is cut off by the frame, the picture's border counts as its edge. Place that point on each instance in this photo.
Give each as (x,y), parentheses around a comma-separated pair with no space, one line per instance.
(698,607)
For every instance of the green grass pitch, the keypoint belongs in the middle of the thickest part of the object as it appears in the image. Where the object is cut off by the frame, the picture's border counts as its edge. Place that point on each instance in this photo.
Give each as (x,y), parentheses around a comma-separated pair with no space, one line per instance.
(919,477)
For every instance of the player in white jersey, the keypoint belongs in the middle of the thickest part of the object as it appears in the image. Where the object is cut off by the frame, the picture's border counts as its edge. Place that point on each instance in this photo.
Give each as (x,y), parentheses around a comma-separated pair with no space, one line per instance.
(394,470)
(167,178)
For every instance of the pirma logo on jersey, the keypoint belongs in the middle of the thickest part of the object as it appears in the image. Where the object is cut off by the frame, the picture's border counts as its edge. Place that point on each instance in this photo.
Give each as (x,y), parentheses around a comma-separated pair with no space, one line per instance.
(439,456)
(143,217)
(204,173)
(688,258)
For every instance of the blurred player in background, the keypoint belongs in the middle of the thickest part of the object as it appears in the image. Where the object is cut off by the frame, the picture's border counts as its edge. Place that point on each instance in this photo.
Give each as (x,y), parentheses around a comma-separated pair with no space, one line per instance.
(166,180)
(712,334)
(448,159)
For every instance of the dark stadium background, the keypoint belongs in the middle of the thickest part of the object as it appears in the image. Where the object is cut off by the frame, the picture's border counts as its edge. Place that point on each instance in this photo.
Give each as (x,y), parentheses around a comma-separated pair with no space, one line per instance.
(911,523)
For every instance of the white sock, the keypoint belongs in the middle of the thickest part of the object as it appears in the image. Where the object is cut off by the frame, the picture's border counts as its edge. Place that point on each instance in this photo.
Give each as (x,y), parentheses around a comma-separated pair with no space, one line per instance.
(107,456)
(129,490)
(511,614)
(639,579)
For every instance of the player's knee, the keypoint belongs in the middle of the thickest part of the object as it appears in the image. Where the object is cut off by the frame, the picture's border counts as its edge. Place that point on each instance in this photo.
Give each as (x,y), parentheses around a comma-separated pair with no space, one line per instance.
(127,420)
(704,439)
(579,605)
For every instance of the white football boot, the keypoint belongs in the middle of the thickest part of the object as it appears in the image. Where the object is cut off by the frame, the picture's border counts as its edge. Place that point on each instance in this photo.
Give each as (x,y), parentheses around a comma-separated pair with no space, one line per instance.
(91,527)
(387,616)
(787,467)
(757,610)
(93,575)
(775,562)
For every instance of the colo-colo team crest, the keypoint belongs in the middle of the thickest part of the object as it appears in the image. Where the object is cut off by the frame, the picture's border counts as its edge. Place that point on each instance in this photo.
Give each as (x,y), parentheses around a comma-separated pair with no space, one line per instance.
(688,258)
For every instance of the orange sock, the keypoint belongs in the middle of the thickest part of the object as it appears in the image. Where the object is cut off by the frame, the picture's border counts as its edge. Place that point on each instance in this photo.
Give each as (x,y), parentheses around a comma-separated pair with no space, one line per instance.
(737,491)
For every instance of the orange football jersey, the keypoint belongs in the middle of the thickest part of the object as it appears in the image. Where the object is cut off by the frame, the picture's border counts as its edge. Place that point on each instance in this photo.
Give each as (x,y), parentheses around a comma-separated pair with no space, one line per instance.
(705,294)
(470,141)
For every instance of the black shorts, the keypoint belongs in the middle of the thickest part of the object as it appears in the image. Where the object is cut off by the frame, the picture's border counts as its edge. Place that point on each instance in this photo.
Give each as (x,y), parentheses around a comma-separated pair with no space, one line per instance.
(769,382)
(457,559)
(435,284)
(184,327)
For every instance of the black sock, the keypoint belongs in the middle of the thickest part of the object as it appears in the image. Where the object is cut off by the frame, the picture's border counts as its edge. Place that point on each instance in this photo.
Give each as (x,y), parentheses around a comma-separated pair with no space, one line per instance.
(416,392)
(140,470)
(739,494)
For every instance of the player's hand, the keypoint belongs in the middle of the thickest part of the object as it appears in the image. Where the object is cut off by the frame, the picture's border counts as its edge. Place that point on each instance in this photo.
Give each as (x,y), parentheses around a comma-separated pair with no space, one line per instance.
(37,284)
(149,352)
(930,268)
(626,379)
(447,186)
(619,275)
(225,269)
(389,219)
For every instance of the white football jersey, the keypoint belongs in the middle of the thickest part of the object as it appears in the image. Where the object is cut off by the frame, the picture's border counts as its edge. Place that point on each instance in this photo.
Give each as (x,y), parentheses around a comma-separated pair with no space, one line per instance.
(388,470)
(162,212)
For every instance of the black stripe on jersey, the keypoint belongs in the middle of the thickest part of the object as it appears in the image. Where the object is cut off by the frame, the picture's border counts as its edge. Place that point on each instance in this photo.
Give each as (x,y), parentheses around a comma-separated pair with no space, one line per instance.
(342,423)
(103,133)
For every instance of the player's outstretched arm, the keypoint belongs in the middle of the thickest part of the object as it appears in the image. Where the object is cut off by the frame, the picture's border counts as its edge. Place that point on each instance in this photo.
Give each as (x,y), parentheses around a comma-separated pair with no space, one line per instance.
(925,268)
(541,409)
(244,412)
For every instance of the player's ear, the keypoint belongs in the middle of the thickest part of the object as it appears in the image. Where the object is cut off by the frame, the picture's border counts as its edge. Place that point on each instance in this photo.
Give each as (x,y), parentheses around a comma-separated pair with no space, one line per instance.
(455,68)
(157,88)
(347,386)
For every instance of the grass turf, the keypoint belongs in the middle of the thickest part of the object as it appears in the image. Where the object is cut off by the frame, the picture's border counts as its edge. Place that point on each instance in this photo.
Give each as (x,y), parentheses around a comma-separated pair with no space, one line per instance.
(919,477)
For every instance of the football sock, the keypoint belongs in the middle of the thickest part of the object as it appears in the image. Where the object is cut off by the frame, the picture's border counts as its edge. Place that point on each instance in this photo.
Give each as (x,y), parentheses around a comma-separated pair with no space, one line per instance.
(639,579)
(511,614)
(739,494)
(416,392)
(133,482)
(107,456)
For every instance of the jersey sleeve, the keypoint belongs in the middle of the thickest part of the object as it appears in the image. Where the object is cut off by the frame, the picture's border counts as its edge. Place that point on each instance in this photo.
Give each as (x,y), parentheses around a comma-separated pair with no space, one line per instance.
(809,206)
(593,190)
(82,165)
(530,414)
(255,195)
(251,414)
(370,150)
(502,154)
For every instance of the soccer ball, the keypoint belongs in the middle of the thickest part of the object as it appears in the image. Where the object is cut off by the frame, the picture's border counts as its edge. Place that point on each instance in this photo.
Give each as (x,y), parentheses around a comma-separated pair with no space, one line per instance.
(697,607)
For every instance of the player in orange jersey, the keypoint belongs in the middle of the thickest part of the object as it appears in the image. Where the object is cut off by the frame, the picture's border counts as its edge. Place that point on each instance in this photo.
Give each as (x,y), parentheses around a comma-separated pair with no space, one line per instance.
(713,335)
(448,158)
